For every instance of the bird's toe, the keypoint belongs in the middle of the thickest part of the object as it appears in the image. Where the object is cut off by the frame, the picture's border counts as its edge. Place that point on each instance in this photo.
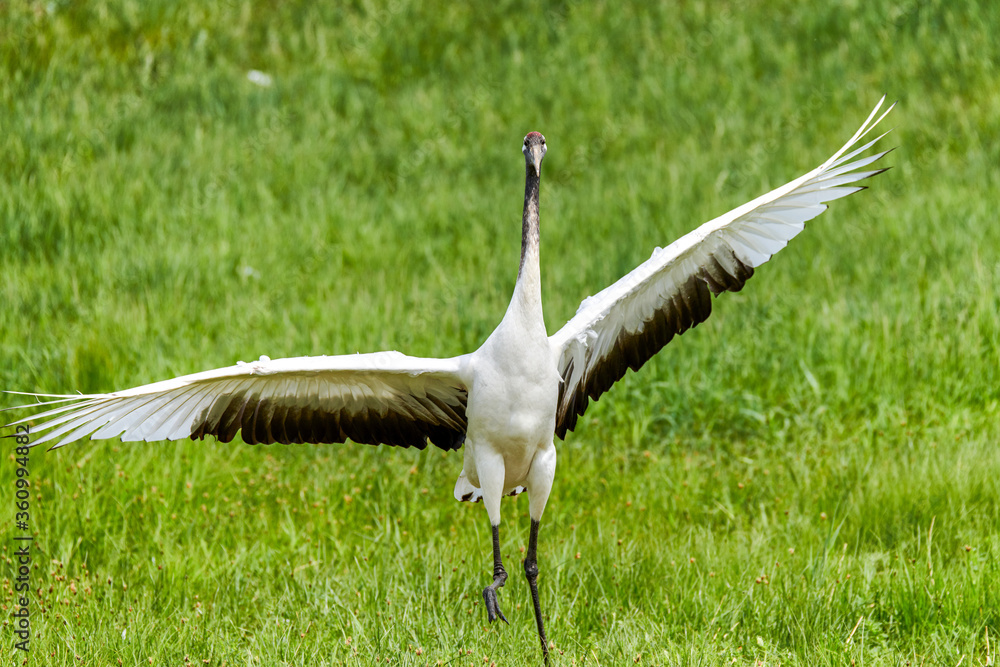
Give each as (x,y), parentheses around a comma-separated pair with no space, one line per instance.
(492,606)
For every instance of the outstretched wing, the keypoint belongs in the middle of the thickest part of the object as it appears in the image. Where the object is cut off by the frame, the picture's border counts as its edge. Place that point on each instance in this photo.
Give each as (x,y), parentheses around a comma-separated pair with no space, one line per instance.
(630,321)
(384,397)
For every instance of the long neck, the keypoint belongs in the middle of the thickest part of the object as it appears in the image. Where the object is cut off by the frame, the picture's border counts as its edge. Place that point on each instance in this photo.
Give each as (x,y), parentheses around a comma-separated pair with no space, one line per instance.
(529,287)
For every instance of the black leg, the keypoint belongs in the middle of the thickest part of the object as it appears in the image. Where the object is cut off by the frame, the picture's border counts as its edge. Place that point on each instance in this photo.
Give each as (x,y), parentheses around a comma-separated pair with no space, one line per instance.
(499,577)
(531,572)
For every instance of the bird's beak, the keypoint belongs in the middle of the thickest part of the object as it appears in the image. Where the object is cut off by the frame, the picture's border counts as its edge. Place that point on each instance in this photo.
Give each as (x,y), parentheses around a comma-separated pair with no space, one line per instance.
(537,152)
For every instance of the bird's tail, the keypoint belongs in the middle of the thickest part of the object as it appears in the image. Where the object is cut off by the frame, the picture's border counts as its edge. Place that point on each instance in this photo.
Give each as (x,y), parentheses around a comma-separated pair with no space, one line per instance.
(467,493)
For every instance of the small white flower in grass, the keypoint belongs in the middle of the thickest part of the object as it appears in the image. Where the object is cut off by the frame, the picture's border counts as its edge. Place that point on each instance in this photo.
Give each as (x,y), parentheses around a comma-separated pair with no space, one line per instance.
(259,78)
(247,272)
(123,633)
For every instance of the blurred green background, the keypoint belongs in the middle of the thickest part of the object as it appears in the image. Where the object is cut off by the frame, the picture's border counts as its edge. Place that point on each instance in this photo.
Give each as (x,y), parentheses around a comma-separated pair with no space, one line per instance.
(810,477)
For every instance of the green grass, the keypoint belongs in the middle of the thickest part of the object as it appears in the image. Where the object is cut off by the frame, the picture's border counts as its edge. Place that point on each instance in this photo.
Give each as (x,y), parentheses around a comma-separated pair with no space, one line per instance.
(809,478)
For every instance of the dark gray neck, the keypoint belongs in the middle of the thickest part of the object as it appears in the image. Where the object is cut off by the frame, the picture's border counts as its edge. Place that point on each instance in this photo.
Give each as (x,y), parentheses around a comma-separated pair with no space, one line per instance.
(529,221)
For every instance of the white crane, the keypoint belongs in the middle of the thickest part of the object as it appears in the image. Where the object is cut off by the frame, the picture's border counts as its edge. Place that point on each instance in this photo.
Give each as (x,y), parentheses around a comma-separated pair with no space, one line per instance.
(507,400)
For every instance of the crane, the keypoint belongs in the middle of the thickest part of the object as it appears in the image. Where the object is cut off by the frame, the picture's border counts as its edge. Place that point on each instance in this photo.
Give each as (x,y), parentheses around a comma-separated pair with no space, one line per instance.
(508,400)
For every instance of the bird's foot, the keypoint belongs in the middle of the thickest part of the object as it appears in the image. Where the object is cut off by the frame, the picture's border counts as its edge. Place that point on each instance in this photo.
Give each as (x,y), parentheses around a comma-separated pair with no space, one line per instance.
(492,607)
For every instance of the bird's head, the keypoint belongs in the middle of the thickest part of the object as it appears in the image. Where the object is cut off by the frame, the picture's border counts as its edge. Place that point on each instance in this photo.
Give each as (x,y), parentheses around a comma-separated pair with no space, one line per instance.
(534,151)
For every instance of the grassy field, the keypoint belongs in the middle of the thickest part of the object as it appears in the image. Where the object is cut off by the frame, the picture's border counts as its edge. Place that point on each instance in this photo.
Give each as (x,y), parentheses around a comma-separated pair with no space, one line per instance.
(811,477)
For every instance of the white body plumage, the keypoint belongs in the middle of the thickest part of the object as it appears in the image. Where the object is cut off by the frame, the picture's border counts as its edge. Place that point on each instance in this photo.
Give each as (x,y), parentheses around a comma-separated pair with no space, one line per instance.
(514,387)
